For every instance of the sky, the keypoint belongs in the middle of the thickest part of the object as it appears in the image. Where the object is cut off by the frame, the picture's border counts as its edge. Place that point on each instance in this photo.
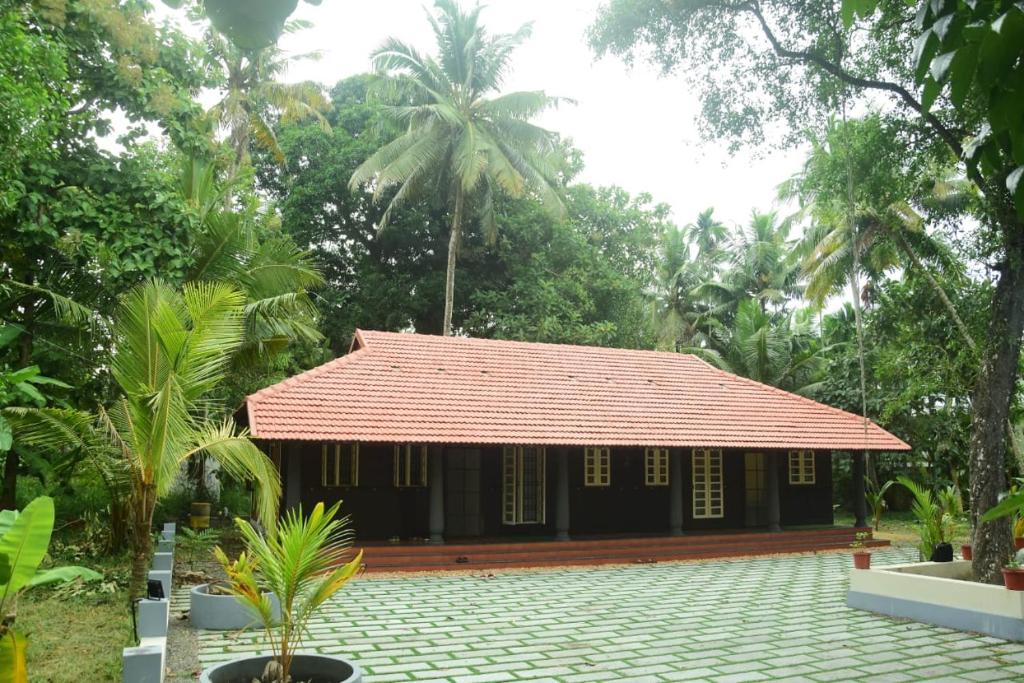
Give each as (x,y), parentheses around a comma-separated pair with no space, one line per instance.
(636,128)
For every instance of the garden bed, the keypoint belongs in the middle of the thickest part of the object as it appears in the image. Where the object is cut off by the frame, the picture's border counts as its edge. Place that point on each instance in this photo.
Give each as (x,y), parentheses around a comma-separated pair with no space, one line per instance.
(940,593)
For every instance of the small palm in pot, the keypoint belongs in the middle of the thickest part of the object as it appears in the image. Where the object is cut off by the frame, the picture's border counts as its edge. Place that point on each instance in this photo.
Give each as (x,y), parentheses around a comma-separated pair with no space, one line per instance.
(304,563)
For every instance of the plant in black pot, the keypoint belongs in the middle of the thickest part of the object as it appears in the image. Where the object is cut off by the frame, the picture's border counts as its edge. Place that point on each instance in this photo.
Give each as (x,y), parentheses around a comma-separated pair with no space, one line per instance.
(304,562)
(935,521)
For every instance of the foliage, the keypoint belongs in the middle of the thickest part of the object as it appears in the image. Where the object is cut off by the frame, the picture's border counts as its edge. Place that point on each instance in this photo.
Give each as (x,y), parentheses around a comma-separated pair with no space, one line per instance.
(876,499)
(24,538)
(172,351)
(859,538)
(461,143)
(19,387)
(934,523)
(1010,505)
(193,543)
(303,564)
(974,49)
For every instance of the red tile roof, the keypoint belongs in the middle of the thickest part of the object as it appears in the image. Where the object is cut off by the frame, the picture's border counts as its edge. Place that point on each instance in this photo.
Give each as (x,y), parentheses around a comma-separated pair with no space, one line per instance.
(396,387)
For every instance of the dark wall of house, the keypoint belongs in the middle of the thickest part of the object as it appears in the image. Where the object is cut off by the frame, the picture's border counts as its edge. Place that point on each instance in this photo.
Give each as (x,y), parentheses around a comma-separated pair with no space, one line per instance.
(379,510)
(806,503)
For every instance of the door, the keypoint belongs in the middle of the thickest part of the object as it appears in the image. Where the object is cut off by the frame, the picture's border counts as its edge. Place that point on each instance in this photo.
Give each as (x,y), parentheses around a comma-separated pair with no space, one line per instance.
(462,492)
(756,500)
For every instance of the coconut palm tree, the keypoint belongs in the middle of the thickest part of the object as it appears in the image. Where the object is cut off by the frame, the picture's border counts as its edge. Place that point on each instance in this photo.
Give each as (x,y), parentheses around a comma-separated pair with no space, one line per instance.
(171,351)
(779,349)
(763,267)
(708,234)
(463,141)
(253,99)
(679,317)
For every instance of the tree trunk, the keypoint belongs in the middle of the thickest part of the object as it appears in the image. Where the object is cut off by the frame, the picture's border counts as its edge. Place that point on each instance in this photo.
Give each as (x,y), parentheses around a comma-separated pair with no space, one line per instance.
(993,394)
(141,541)
(858,317)
(453,251)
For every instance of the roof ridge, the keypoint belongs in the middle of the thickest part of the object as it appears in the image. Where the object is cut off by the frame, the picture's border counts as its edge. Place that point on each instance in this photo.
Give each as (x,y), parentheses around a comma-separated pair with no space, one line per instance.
(523,343)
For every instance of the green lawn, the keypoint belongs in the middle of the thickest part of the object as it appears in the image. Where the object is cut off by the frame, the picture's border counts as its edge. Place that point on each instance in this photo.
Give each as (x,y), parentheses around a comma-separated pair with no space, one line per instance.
(76,638)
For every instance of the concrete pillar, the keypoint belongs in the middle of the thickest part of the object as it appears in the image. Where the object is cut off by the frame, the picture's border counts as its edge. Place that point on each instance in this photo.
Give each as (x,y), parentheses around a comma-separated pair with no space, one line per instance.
(860,503)
(771,481)
(436,467)
(164,577)
(562,495)
(153,617)
(293,481)
(163,561)
(143,664)
(675,494)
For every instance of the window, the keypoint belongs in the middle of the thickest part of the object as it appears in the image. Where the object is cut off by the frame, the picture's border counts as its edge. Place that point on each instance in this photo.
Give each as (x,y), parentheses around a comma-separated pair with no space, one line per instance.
(707,483)
(523,487)
(410,465)
(656,467)
(801,467)
(597,467)
(339,464)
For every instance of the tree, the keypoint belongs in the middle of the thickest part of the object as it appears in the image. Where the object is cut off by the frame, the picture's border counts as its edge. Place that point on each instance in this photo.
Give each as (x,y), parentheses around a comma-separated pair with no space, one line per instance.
(80,223)
(763,266)
(461,143)
(793,62)
(778,349)
(171,351)
(253,98)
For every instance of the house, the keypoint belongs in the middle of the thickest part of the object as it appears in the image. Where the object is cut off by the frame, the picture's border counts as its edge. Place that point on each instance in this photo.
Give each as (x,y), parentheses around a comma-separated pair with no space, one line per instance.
(451,437)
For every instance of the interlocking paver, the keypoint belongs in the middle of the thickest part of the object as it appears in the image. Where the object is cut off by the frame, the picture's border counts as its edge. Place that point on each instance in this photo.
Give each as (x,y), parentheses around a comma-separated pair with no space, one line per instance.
(778,618)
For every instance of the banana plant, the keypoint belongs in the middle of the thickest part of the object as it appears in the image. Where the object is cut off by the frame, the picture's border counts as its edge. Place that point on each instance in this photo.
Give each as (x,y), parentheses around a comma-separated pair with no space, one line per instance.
(302,563)
(24,538)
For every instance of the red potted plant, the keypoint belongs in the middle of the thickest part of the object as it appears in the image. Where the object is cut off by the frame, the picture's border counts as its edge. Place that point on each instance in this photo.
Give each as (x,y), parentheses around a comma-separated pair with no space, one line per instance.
(1013,572)
(966,552)
(861,557)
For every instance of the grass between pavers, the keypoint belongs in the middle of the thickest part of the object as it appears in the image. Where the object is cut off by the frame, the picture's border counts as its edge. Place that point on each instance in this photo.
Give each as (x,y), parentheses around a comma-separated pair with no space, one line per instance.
(770,618)
(76,638)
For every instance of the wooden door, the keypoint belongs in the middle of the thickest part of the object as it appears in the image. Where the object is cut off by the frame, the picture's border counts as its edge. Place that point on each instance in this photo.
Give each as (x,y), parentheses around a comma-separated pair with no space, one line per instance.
(462,492)
(755,494)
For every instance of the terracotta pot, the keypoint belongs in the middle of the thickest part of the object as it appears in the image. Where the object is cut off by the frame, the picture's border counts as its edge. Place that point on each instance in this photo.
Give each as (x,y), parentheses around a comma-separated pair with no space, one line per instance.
(199,514)
(1018,542)
(862,560)
(966,552)
(1013,579)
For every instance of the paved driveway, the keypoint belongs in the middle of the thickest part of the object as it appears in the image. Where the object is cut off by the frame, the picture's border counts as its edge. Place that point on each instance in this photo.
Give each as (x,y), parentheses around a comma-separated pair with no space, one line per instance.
(739,620)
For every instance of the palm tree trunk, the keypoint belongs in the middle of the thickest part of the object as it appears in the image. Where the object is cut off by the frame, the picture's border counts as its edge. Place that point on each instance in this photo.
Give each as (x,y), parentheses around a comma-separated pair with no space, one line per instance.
(453,250)
(858,317)
(141,541)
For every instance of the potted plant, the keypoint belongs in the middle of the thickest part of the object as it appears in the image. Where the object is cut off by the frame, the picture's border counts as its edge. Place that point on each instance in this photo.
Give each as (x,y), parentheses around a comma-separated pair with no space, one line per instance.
(861,557)
(1013,572)
(966,552)
(303,563)
(935,521)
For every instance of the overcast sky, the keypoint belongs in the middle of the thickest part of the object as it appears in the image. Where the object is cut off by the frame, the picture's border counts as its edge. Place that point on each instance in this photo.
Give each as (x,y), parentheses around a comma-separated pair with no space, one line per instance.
(636,128)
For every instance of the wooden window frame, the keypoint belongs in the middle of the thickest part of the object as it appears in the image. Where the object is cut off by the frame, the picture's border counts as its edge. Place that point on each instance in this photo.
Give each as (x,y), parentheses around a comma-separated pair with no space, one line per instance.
(334,480)
(512,489)
(597,466)
(404,453)
(656,467)
(802,468)
(710,504)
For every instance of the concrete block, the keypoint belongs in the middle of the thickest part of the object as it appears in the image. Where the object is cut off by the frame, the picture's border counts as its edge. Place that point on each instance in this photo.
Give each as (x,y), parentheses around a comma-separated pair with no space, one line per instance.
(164,576)
(163,561)
(165,545)
(143,664)
(153,617)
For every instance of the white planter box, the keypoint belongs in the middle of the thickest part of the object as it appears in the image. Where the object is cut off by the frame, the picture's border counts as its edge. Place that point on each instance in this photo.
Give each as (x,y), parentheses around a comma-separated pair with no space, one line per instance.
(939,593)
